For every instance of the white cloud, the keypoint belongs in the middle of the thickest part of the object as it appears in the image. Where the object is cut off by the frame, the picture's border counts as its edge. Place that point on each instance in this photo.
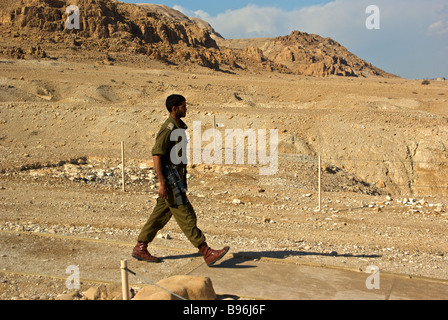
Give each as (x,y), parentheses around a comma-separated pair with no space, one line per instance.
(253,21)
(197,14)
(438,28)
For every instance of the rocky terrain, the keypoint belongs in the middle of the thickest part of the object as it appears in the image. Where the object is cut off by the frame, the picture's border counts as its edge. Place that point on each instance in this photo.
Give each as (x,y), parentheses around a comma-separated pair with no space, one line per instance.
(161,33)
(67,100)
(307,54)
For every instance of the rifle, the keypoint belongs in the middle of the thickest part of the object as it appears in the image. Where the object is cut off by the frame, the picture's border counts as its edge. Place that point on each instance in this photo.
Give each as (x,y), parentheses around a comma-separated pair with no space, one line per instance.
(175,182)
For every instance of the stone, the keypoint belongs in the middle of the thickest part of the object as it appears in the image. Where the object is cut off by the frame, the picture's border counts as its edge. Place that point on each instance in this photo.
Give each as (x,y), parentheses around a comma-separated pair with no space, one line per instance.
(74,295)
(423,202)
(188,287)
(329,169)
(164,236)
(381,184)
(104,292)
(306,195)
(266,219)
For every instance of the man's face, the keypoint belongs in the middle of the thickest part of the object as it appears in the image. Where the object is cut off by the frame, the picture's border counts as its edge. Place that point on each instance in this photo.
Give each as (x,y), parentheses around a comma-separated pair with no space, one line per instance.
(181,111)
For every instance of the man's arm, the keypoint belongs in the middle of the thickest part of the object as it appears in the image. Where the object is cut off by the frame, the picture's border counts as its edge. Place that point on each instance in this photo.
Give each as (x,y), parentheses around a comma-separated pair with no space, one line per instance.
(163,191)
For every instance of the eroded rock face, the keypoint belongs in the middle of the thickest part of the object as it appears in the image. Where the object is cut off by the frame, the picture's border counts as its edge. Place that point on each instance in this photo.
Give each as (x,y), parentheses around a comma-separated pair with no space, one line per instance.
(119,27)
(109,19)
(164,34)
(312,55)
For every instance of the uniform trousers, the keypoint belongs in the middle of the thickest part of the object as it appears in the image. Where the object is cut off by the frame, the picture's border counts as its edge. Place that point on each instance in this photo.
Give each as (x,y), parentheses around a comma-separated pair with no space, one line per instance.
(161,215)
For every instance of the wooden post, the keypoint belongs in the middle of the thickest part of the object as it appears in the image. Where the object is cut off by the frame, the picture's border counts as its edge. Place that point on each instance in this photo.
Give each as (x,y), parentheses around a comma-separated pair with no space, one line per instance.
(124,279)
(122,166)
(214,132)
(319,186)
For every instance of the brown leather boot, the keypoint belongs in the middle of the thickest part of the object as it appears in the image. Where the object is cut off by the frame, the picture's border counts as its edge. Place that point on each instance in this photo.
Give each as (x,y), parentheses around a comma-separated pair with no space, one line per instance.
(140,253)
(212,256)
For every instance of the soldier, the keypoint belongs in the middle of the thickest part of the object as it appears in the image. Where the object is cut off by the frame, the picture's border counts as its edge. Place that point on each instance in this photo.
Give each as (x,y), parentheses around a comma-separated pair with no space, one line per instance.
(167,206)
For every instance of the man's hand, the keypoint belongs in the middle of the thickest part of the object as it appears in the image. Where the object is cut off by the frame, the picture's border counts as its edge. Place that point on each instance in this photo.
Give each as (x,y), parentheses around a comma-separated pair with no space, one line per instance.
(163,191)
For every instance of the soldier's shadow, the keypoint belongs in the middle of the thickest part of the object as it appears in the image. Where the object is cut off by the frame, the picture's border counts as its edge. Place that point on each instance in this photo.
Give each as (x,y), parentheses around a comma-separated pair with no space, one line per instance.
(240,259)
(226,262)
(181,256)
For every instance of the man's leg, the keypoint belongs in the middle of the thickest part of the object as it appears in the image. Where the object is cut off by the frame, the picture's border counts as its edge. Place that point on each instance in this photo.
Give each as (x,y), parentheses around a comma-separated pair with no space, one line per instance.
(188,224)
(157,220)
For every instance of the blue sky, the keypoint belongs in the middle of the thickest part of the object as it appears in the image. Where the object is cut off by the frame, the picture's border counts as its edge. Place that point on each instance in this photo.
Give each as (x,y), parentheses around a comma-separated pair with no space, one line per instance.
(412,39)
(216,7)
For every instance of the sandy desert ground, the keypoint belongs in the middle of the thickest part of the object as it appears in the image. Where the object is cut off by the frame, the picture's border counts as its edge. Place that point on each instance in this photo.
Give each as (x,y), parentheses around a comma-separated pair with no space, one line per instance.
(382,143)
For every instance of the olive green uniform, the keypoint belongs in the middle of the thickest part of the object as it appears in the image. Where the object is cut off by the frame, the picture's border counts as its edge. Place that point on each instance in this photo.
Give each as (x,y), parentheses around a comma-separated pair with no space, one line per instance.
(166,208)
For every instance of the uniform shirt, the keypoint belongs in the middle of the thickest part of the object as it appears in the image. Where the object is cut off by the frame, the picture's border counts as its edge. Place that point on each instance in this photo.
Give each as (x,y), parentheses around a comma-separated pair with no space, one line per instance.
(164,146)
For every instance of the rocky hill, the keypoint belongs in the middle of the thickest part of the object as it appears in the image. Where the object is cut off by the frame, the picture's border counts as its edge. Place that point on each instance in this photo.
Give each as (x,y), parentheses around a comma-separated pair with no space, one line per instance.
(312,55)
(111,26)
(173,14)
(162,33)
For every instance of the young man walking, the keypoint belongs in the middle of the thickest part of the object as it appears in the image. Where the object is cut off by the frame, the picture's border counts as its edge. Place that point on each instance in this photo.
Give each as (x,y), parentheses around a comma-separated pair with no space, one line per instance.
(167,206)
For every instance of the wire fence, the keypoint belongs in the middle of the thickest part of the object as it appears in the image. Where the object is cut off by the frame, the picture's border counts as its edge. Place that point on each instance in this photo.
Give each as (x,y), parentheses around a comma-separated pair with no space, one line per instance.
(359,162)
(141,148)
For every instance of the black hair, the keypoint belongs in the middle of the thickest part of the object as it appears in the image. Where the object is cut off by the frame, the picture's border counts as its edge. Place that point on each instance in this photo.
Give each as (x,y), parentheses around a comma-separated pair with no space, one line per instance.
(174,100)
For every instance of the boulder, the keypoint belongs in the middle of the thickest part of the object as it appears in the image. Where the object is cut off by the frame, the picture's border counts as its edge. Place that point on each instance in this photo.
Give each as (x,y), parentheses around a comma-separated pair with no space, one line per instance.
(73,295)
(188,287)
(104,292)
